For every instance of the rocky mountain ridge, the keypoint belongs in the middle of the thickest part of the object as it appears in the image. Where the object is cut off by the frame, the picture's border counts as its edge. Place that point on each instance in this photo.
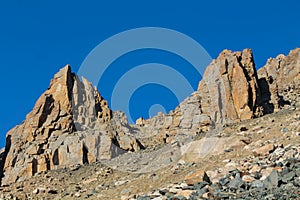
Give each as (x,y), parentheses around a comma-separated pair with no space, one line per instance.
(71,124)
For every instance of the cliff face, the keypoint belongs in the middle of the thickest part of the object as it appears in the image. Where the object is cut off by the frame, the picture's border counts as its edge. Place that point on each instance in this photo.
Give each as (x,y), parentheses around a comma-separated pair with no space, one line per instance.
(72,124)
(230,88)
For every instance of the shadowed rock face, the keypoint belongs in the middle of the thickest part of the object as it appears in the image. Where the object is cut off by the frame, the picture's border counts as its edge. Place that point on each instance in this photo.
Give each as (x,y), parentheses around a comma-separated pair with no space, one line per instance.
(72,124)
(279,80)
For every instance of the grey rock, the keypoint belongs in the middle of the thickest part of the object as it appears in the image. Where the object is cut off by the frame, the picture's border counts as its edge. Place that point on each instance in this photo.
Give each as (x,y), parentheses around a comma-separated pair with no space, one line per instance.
(257,184)
(144,198)
(272,180)
(297,171)
(236,183)
(284,130)
(297,182)
(288,177)
(125,192)
(224,181)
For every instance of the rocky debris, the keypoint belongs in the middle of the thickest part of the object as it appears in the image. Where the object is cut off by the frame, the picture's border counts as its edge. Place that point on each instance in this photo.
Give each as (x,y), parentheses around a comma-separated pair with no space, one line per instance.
(70,124)
(186,193)
(254,176)
(282,180)
(154,176)
(146,161)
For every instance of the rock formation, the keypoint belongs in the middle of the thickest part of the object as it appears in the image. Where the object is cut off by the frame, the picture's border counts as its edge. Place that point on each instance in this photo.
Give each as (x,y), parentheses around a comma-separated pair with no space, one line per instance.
(279,80)
(230,89)
(69,124)
(228,92)
(72,124)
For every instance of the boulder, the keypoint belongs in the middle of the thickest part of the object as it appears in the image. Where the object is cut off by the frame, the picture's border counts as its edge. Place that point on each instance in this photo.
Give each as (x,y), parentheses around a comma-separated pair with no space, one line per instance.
(264,150)
(196,177)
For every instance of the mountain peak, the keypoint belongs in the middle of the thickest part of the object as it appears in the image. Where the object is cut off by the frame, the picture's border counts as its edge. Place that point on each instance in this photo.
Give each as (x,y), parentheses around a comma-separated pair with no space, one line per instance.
(64,128)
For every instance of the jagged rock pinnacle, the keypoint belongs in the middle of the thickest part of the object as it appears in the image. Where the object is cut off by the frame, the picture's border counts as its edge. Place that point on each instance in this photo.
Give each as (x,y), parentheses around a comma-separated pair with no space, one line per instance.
(64,128)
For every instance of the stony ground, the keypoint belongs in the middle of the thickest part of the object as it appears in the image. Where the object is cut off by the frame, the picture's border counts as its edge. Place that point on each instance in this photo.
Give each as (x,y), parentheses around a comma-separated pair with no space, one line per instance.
(261,162)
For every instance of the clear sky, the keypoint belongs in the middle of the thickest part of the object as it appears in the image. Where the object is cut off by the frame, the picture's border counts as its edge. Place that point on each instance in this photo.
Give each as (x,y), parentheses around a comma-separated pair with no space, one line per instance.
(39,37)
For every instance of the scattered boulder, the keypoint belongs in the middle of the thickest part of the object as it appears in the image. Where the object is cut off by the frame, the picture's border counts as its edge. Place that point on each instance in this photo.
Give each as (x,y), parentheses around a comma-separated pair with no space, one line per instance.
(197,176)
(185,193)
(264,150)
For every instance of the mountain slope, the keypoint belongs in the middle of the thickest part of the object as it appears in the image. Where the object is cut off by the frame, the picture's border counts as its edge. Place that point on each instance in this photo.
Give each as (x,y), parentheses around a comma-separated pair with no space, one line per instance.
(71,124)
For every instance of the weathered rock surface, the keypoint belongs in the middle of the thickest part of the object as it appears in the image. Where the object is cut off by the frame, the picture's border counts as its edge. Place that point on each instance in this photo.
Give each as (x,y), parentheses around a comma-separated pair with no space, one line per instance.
(70,124)
(279,81)
(228,92)
(229,88)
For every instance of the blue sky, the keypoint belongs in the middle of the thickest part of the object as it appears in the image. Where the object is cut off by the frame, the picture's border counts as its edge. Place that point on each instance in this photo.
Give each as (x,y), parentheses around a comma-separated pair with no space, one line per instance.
(39,37)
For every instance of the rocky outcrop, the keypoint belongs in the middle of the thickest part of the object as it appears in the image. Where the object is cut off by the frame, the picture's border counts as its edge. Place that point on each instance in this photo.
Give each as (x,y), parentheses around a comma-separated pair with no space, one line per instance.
(70,124)
(229,88)
(228,92)
(279,80)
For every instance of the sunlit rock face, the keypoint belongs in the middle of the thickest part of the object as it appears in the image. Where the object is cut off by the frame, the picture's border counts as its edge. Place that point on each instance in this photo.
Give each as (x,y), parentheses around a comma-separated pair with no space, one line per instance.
(70,124)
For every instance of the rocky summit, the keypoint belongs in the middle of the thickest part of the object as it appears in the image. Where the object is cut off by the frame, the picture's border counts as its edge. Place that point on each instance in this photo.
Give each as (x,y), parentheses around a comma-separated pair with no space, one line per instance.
(70,124)
(236,137)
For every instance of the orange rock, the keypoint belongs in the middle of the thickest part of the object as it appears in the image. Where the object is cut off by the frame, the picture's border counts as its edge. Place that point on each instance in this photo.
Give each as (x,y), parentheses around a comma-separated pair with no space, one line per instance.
(140,121)
(264,150)
(255,168)
(185,193)
(196,177)
(277,75)
(60,130)
(248,178)
(229,87)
